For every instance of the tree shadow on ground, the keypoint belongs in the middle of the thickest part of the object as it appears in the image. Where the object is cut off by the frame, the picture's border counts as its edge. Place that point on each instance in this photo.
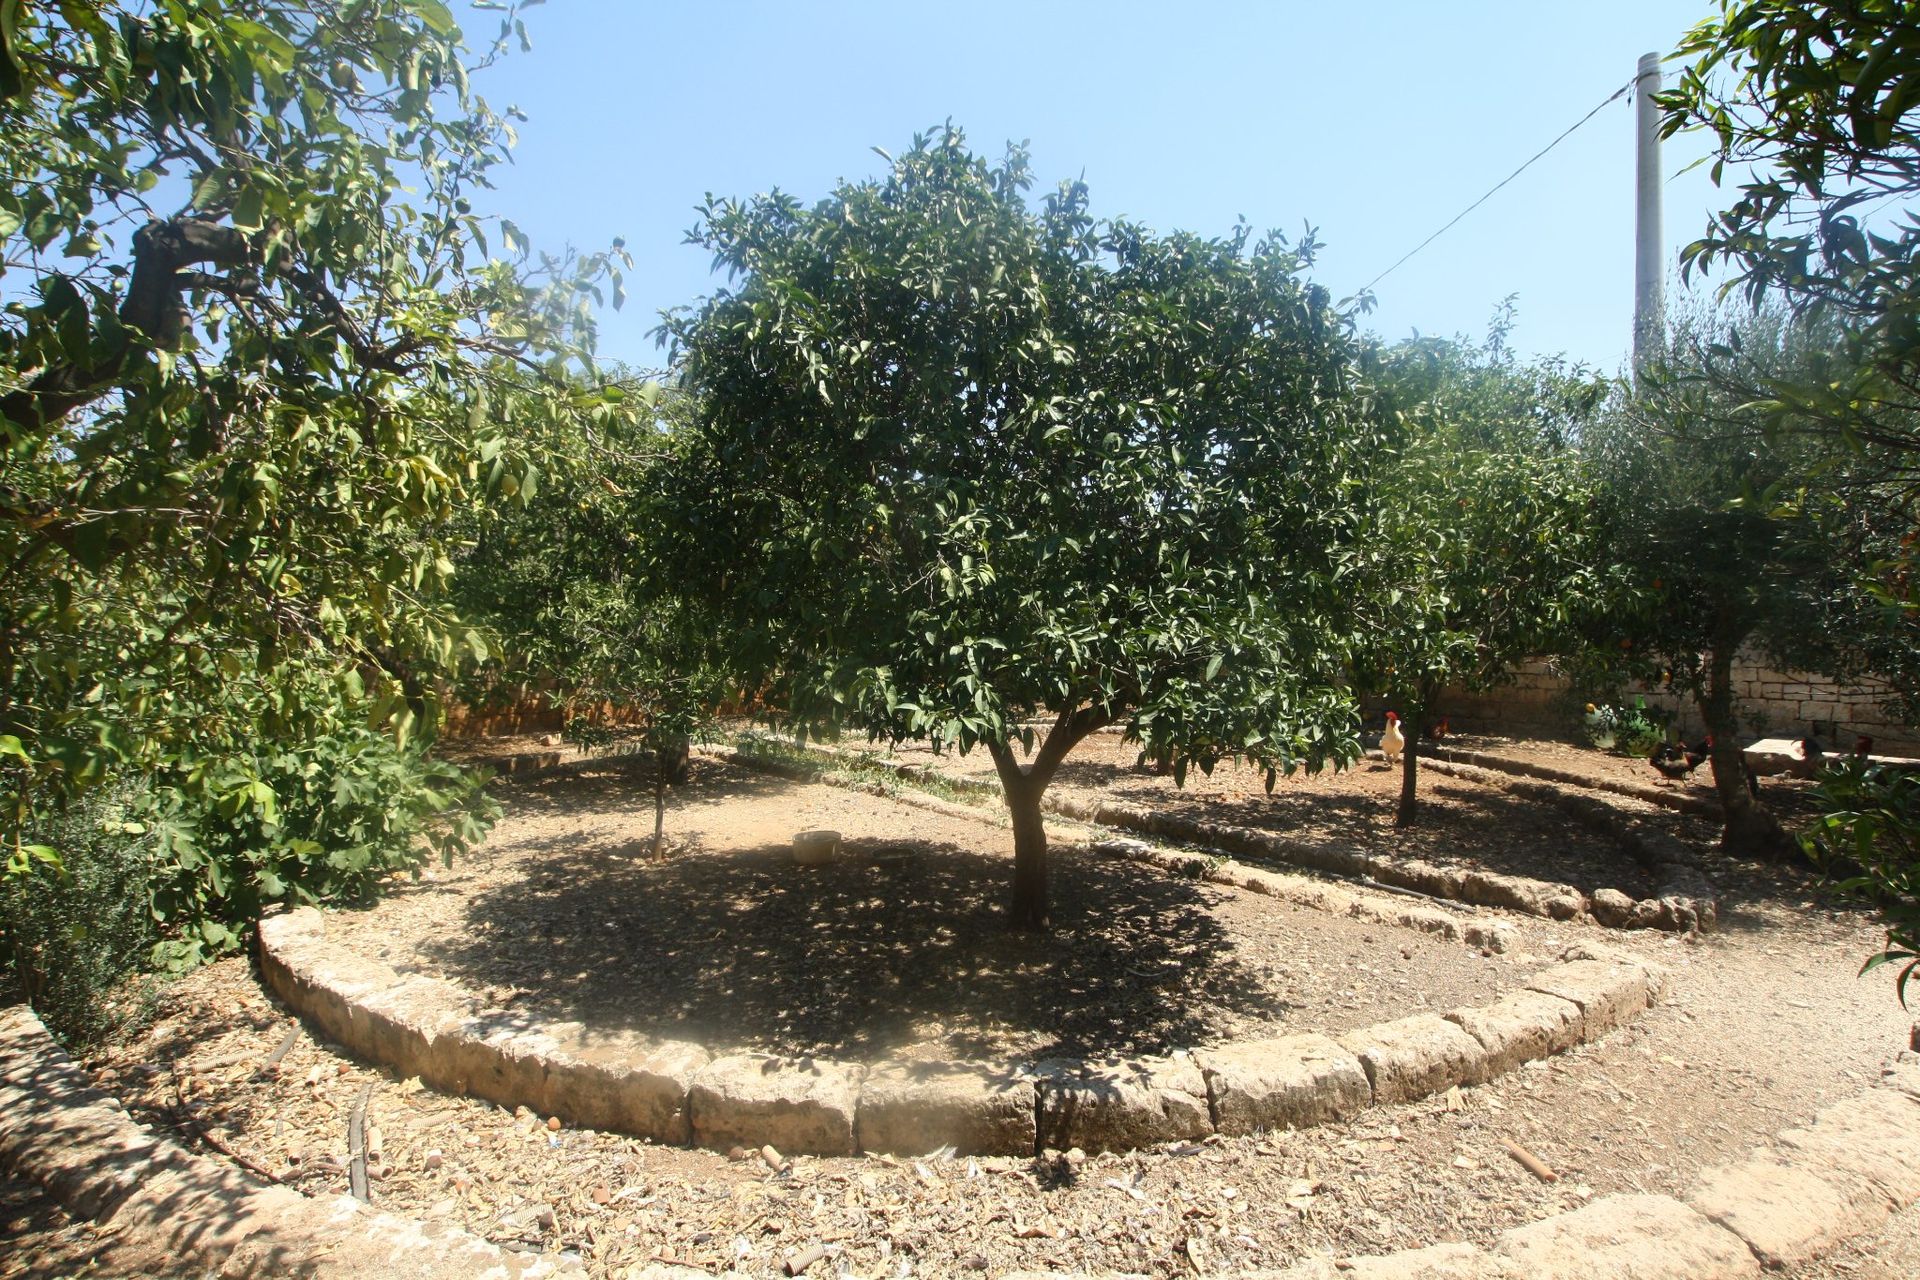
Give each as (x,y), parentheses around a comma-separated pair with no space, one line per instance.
(897,949)
(1461,824)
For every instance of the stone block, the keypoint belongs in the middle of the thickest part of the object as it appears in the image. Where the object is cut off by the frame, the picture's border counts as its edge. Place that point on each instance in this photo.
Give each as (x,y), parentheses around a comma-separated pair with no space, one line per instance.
(1611,907)
(1608,994)
(1787,1214)
(798,1105)
(1413,1057)
(627,1084)
(1519,1028)
(1285,1083)
(1872,1138)
(1436,1262)
(1628,1238)
(979,1109)
(1518,893)
(1122,1104)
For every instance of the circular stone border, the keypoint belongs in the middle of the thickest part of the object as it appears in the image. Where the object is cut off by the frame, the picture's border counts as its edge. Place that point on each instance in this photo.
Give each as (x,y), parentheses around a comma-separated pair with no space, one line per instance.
(677,1092)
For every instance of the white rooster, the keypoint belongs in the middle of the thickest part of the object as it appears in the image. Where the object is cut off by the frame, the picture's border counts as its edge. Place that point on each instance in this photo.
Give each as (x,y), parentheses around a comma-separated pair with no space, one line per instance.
(1392,741)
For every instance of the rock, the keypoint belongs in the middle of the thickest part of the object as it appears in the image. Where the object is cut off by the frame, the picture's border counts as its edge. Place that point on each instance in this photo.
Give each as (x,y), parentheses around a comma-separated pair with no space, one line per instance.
(1628,1238)
(1520,1027)
(816,848)
(749,1099)
(1565,904)
(1123,1104)
(1786,1214)
(1413,1057)
(1497,937)
(977,1108)
(1609,994)
(1285,1083)
(1611,907)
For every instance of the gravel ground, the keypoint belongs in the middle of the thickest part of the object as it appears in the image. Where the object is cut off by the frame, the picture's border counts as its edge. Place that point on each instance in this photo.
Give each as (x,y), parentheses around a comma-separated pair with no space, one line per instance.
(727,942)
(1767,1023)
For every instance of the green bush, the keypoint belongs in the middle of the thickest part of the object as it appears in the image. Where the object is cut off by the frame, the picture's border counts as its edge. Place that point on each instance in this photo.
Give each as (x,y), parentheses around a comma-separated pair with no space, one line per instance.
(1868,834)
(1633,731)
(324,820)
(72,934)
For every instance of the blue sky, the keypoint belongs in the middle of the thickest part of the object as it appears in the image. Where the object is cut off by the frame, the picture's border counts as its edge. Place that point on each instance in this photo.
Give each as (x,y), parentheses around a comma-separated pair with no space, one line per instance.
(1375,122)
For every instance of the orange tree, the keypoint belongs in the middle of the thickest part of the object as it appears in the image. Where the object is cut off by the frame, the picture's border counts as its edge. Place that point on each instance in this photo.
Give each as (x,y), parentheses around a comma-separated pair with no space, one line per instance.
(959,465)
(1482,552)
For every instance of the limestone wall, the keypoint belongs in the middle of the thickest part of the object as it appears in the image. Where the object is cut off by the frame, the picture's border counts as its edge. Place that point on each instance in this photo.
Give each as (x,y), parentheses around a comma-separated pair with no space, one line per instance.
(1777,704)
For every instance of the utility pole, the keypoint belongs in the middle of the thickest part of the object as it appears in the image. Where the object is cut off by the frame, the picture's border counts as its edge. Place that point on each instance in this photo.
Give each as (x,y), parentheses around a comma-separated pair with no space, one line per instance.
(1649,274)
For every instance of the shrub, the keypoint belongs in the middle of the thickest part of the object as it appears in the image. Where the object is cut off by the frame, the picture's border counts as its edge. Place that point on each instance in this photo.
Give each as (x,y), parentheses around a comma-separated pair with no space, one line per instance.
(1633,731)
(1868,833)
(322,820)
(73,932)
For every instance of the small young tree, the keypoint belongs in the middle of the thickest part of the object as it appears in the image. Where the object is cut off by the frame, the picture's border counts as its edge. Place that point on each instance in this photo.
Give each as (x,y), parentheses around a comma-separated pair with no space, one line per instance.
(1479,555)
(958,464)
(572,595)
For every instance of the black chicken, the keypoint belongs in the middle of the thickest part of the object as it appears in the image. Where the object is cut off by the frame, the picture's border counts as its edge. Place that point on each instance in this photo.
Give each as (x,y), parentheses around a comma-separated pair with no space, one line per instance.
(1677,763)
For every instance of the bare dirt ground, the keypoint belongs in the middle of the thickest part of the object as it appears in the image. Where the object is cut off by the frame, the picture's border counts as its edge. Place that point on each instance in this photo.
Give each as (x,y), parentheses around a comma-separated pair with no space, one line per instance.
(896,950)
(1766,1024)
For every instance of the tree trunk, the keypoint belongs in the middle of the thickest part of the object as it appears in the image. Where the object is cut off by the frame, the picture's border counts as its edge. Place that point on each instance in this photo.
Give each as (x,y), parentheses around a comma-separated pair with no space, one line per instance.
(660,768)
(1024,786)
(1027,910)
(1412,726)
(1409,776)
(1748,827)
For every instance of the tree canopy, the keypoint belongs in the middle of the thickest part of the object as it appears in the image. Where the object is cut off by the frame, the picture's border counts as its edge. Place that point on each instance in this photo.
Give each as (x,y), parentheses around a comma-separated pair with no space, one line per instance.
(1482,551)
(260,348)
(958,464)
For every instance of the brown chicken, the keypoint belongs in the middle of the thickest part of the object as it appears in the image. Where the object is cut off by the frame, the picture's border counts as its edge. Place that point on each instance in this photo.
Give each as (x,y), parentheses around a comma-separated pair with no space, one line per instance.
(1677,763)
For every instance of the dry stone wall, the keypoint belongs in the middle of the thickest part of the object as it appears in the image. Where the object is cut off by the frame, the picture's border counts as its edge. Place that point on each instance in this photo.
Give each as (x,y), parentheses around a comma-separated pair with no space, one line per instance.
(1780,703)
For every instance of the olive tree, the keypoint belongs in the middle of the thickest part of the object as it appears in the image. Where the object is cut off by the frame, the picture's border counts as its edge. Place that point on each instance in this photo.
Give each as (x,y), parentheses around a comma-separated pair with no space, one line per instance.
(1729,536)
(960,464)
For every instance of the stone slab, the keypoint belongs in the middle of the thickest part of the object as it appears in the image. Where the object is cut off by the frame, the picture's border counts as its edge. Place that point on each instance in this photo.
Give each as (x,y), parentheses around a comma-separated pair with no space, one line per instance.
(1628,1238)
(975,1107)
(1436,1262)
(1122,1104)
(1609,995)
(1785,1213)
(1873,1138)
(1288,1082)
(1520,1028)
(1412,1057)
(797,1105)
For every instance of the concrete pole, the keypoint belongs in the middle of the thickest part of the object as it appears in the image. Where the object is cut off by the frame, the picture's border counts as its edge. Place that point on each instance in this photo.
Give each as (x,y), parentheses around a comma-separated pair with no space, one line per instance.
(1649,274)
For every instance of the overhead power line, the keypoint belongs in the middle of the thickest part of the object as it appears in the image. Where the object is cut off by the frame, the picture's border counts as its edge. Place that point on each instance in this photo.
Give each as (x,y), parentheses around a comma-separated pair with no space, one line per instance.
(1613,97)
